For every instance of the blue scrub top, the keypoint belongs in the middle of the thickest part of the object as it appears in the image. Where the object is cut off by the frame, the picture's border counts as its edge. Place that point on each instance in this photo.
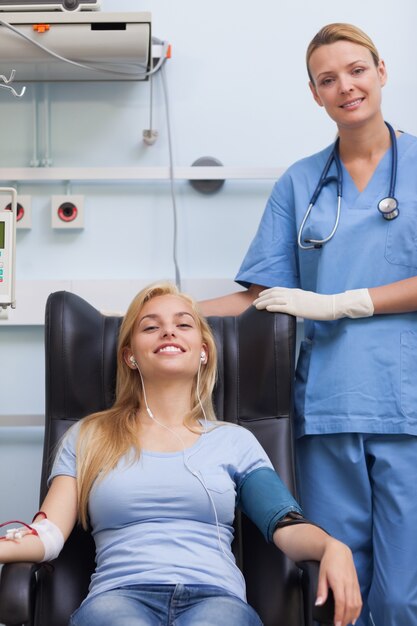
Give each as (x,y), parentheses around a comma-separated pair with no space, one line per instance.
(352,375)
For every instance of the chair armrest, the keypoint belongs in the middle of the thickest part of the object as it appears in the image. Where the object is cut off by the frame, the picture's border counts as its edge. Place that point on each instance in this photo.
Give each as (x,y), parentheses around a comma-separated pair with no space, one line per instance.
(17,587)
(310,576)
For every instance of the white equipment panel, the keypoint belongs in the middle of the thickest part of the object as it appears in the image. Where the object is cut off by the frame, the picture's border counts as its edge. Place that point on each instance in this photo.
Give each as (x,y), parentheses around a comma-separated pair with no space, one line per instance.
(119,42)
(49,5)
(8,251)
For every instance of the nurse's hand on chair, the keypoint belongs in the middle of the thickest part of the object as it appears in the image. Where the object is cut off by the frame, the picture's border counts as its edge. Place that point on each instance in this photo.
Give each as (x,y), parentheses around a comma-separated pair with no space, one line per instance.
(316,306)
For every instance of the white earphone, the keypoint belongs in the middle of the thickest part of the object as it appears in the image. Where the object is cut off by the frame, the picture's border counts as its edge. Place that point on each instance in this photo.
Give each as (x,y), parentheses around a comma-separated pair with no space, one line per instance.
(133,361)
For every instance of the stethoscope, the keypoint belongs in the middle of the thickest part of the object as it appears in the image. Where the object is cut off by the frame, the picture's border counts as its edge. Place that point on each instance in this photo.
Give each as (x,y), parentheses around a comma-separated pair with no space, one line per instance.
(388,206)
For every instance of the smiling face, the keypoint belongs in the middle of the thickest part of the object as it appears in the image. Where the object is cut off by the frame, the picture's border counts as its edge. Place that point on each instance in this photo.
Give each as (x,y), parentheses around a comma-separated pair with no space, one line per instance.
(347,83)
(166,339)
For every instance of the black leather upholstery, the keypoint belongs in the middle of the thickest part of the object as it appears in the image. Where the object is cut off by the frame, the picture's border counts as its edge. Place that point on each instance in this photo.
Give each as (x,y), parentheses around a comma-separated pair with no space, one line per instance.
(254,389)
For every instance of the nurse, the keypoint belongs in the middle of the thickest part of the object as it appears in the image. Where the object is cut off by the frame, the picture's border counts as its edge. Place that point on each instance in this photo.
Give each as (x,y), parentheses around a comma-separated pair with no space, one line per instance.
(356,378)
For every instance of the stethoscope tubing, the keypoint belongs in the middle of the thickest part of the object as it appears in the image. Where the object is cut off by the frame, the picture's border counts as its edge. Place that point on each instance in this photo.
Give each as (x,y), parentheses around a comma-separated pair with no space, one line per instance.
(324,180)
(317,243)
(394,161)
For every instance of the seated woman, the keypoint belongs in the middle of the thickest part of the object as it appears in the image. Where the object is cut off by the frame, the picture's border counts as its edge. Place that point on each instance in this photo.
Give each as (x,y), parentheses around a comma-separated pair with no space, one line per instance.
(156,478)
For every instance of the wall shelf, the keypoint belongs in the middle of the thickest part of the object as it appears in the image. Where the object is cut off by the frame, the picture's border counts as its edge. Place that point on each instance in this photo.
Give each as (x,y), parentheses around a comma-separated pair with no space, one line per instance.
(136,174)
(22,421)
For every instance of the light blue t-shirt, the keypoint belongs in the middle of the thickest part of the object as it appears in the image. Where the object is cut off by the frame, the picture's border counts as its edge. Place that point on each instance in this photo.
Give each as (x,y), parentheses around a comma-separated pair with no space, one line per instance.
(153,521)
(352,375)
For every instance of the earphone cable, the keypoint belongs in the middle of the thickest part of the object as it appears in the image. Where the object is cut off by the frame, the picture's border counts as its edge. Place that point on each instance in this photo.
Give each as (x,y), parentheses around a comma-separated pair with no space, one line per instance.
(192,471)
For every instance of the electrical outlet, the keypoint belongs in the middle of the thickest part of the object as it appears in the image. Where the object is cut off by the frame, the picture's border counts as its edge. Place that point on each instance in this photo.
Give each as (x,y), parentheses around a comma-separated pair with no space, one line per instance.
(67,211)
(24,210)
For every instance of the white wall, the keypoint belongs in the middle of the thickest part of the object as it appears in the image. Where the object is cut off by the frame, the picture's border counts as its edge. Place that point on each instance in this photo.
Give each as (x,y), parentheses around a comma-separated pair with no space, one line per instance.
(238,91)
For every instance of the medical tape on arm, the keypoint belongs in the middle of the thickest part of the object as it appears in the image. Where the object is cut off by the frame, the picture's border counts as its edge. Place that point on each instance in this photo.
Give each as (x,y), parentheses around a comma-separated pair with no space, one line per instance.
(51,537)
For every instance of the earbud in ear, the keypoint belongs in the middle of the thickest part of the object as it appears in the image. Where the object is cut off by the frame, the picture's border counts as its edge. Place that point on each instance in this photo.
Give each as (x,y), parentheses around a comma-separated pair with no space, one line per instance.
(133,361)
(203,356)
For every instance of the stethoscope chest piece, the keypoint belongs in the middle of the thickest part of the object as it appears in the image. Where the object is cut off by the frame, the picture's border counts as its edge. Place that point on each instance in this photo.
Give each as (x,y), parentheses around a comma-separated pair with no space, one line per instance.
(388,207)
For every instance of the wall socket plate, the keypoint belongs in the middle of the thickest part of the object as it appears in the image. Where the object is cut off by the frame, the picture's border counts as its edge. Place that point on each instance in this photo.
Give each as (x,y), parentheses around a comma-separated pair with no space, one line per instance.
(24,209)
(67,211)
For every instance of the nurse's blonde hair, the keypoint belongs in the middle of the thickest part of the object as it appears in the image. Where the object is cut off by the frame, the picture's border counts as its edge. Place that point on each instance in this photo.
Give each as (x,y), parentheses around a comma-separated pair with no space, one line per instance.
(340,32)
(107,436)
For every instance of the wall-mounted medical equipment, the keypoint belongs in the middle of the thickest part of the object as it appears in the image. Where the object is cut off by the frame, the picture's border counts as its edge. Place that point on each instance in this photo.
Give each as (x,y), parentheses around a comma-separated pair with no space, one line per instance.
(67,211)
(49,5)
(23,209)
(24,212)
(388,206)
(56,46)
(8,251)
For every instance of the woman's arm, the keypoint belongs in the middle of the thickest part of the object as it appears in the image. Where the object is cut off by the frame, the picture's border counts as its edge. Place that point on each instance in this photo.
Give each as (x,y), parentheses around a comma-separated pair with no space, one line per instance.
(398,297)
(232,304)
(60,507)
(302,542)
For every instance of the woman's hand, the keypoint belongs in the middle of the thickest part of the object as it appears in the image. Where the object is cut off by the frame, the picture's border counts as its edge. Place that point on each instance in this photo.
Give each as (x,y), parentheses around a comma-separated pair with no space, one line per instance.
(302,542)
(316,306)
(337,572)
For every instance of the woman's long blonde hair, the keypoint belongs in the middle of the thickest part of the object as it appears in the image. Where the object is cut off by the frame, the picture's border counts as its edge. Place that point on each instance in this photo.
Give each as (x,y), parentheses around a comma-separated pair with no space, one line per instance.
(340,31)
(106,436)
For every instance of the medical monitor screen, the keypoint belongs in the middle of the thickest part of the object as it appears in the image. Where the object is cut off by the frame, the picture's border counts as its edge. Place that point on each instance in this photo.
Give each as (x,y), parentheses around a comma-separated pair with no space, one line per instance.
(2,233)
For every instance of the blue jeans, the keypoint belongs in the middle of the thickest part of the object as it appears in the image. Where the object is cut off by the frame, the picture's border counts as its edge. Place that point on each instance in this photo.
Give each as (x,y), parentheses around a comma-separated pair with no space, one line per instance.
(165,605)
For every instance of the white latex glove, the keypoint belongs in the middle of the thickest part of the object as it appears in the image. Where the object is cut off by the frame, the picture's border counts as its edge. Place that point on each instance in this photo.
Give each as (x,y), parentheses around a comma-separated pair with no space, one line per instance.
(316,306)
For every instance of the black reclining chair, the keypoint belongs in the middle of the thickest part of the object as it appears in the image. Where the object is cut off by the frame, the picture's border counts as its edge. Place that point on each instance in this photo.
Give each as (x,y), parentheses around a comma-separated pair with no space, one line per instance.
(254,389)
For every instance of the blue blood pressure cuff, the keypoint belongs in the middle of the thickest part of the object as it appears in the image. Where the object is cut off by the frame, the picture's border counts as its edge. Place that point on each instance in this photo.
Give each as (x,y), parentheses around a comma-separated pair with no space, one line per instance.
(264,498)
